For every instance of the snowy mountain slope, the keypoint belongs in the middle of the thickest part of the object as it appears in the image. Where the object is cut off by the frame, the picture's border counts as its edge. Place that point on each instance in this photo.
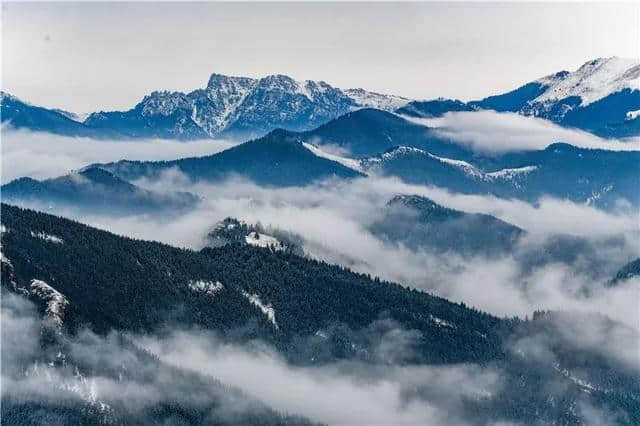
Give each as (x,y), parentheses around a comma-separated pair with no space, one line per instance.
(602,96)
(240,107)
(591,82)
(595,177)
(599,97)
(375,100)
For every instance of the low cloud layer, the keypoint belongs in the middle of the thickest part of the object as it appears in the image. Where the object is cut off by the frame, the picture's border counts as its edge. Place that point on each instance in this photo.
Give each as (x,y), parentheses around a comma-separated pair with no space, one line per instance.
(334,221)
(335,394)
(110,376)
(44,155)
(498,132)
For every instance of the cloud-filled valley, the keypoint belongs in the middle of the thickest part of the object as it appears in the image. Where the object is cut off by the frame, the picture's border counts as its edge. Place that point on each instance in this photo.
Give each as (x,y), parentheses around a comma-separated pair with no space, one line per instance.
(334,219)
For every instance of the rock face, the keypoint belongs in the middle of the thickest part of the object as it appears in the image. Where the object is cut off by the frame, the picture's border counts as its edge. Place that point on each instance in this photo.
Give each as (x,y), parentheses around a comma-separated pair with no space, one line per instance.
(239,107)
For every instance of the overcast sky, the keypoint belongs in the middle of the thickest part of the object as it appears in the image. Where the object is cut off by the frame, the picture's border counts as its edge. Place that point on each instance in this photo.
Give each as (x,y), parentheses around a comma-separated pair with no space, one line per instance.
(91,56)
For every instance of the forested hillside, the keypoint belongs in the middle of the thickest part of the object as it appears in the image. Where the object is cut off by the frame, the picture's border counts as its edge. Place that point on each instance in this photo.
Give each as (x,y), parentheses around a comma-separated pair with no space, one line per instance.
(311,312)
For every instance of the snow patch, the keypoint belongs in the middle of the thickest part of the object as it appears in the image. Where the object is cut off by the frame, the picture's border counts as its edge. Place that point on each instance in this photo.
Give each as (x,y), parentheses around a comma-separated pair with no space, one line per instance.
(266,309)
(468,168)
(206,287)
(394,153)
(85,389)
(47,237)
(586,386)
(509,174)
(263,240)
(56,302)
(440,322)
(596,195)
(365,99)
(632,115)
(347,162)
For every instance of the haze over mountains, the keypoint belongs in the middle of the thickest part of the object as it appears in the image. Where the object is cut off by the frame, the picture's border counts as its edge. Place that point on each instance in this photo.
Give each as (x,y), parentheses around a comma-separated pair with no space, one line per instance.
(94,190)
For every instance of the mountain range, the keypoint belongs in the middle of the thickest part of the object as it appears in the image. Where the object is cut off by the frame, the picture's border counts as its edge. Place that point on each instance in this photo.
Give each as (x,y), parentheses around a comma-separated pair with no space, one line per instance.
(595,177)
(243,293)
(284,158)
(602,97)
(237,107)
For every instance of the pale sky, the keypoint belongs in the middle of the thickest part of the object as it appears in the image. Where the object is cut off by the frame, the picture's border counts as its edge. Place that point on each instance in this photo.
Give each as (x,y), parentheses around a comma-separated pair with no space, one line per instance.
(91,56)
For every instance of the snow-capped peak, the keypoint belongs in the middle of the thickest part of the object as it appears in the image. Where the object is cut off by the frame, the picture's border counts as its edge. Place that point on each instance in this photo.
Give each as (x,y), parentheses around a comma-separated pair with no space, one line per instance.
(164,103)
(366,99)
(593,81)
(244,106)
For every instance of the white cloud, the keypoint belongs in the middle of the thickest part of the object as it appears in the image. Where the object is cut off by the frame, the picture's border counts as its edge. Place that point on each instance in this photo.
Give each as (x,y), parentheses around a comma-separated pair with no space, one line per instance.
(44,155)
(334,219)
(497,132)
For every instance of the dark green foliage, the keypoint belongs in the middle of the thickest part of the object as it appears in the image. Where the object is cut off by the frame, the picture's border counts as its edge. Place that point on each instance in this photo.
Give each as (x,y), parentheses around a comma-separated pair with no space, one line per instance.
(94,190)
(231,230)
(418,222)
(119,283)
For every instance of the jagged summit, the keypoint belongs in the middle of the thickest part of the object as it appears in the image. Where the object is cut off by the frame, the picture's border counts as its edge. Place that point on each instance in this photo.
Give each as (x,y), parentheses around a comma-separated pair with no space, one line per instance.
(240,107)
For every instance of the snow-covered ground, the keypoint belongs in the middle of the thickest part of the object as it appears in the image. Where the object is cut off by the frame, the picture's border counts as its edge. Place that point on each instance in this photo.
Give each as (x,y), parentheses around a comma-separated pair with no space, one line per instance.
(47,237)
(467,168)
(593,81)
(347,162)
(206,287)
(367,99)
(56,302)
(266,309)
(262,240)
(440,322)
(508,174)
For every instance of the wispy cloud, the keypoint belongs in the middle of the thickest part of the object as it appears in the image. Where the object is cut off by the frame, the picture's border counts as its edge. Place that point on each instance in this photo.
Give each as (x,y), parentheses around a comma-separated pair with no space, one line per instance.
(495,132)
(334,220)
(43,155)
